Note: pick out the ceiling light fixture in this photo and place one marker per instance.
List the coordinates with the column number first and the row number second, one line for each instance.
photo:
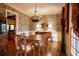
column 35, row 18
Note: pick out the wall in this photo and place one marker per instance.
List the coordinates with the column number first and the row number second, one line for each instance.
column 23, row 19
column 54, row 20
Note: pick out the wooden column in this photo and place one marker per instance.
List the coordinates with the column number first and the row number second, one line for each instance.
column 63, row 31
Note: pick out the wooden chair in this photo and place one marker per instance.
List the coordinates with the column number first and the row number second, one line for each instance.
column 45, row 37
column 43, row 44
column 18, row 42
column 23, row 47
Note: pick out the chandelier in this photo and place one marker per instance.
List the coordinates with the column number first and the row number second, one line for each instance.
column 35, row 18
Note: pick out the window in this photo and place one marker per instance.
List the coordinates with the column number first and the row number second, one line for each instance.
column 3, row 27
column 74, row 44
column 76, row 39
column 11, row 27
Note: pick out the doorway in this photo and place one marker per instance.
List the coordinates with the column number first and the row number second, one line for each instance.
column 11, row 18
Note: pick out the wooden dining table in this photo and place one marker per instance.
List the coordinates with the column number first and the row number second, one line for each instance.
column 32, row 40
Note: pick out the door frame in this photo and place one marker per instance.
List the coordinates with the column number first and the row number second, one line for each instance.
column 7, row 10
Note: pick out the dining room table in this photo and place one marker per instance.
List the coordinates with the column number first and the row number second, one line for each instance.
column 37, row 43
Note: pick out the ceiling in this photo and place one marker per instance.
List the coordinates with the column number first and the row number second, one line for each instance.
column 42, row 8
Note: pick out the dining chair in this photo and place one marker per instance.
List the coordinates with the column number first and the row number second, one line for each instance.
column 24, row 48
column 18, row 42
column 43, row 45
